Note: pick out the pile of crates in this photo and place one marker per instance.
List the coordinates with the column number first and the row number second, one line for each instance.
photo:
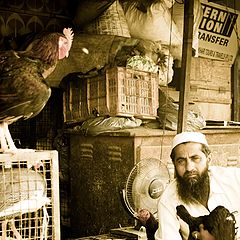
column 119, row 92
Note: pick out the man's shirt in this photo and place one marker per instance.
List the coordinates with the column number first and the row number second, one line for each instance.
column 224, row 191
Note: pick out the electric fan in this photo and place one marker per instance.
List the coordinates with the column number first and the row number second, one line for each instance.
column 145, row 184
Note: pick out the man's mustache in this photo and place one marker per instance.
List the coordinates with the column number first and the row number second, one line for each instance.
column 190, row 173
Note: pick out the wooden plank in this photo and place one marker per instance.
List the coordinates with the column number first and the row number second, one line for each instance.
column 212, row 95
column 186, row 66
column 26, row 155
column 215, row 111
column 210, row 73
column 236, row 89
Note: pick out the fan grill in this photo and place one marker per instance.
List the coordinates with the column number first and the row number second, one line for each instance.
column 145, row 184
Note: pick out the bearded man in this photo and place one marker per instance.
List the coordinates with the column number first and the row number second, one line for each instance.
column 197, row 186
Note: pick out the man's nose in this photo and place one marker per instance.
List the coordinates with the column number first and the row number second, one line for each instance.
column 189, row 164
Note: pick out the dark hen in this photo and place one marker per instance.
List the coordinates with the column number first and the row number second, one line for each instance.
column 220, row 222
column 23, row 90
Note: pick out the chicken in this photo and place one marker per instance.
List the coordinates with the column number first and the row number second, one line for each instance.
column 23, row 89
column 21, row 191
column 220, row 222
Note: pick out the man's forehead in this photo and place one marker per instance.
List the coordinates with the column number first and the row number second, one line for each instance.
column 188, row 147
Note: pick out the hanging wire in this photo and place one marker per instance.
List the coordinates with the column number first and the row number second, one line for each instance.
column 167, row 90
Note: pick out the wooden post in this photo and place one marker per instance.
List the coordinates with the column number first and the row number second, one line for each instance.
column 186, row 65
column 236, row 88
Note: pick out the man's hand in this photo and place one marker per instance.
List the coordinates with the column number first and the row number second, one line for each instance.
column 202, row 234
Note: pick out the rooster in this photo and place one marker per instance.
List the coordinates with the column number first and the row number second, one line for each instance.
column 23, row 89
column 220, row 222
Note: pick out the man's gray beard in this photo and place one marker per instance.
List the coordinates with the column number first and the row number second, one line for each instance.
column 192, row 190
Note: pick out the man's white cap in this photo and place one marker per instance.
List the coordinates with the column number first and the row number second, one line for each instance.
column 184, row 137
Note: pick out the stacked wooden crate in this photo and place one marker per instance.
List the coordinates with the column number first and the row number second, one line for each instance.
column 210, row 88
column 118, row 92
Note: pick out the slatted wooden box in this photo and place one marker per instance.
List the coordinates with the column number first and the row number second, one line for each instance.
column 16, row 179
column 119, row 92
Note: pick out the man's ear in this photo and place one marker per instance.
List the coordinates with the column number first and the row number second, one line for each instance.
column 209, row 158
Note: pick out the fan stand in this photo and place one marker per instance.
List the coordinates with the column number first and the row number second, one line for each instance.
column 129, row 232
column 132, row 232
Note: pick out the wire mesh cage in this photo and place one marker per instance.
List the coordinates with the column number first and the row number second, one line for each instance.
column 29, row 195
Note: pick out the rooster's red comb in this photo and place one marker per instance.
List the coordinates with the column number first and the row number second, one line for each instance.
column 68, row 32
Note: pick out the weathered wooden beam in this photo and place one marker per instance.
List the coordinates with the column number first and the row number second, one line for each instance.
column 186, row 65
column 236, row 89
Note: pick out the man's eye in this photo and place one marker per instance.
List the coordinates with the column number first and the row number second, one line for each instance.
column 180, row 161
column 196, row 158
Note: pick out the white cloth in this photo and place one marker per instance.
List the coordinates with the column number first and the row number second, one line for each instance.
column 224, row 190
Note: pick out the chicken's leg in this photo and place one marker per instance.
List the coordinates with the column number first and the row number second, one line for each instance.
column 6, row 140
column 8, row 146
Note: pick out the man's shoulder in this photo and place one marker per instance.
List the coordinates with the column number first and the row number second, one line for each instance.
column 225, row 173
column 223, row 170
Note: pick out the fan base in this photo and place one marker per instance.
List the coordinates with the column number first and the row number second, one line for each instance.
column 129, row 232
